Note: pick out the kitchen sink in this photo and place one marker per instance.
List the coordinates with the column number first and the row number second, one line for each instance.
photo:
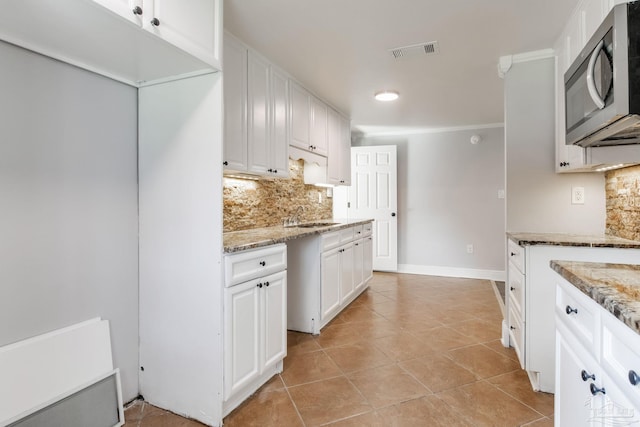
column 312, row 224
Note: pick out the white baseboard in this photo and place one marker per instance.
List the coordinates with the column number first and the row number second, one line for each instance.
column 469, row 273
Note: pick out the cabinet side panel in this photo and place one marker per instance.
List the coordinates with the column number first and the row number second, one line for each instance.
column 180, row 173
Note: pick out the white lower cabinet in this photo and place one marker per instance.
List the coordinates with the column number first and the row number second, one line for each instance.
column 330, row 284
column 255, row 331
column 595, row 357
column 326, row 273
column 531, row 320
column 347, row 287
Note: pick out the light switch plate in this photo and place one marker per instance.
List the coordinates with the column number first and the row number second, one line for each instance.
column 577, row 195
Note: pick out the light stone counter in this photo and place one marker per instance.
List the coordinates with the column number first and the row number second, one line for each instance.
column 616, row 287
column 566, row 239
column 236, row 241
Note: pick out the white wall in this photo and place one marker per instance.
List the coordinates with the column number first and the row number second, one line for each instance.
column 538, row 199
column 448, row 198
column 68, row 203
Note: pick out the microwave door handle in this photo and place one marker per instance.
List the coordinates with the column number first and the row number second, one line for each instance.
column 591, row 84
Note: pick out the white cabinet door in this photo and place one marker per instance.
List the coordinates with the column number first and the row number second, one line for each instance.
column 318, row 130
column 358, row 264
column 242, row 335
column 235, row 105
column 258, row 114
column 274, row 318
column 334, row 155
column 367, row 262
column 347, row 285
column 193, row 26
column 345, row 152
column 125, row 8
column 574, row 401
column 300, row 116
column 330, row 283
column 279, row 124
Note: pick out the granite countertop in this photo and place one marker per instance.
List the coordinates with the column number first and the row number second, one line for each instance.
column 566, row 239
column 616, row 287
column 236, row 241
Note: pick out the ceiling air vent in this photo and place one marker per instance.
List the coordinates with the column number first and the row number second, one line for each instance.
column 429, row 48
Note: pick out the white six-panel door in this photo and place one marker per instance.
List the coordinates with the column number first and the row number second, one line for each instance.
column 373, row 194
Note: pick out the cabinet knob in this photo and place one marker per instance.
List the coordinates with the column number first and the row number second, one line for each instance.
column 595, row 390
column 570, row 310
column 393, row 214
column 357, row 244
column 513, row 254
column 266, row 284
column 512, row 288
column 269, row 170
column 513, row 328
column 137, row 10
column 587, row 376
column 262, row 263
column 259, row 285
column 155, row 22
column 275, row 171
column 225, row 163
column 634, row 378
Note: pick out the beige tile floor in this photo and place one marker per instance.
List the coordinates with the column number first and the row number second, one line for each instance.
column 410, row 351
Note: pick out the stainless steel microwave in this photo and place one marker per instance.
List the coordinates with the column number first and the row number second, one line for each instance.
column 602, row 86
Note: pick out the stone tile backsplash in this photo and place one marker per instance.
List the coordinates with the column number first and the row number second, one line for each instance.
column 265, row 203
column 623, row 202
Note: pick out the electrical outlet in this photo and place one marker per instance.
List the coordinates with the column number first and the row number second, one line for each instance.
column 577, row 195
column 469, row 248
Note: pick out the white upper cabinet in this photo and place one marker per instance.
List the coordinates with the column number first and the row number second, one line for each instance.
column 339, row 155
column 98, row 35
column 256, row 113
column 128, row 9
column 318, row 135
column 581, row 26
column 279, row 123
column 192, row 26
column 300, row 116
column 235, row 105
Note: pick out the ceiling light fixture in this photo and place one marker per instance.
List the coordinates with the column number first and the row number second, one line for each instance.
column 387, row 95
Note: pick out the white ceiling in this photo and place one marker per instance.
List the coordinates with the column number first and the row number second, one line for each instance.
column 339, row 50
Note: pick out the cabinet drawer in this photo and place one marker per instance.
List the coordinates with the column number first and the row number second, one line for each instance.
column 579, row 314
column 330, row 241
column 621, row 356
column 517, row 334
column 249, row 265
column 516, row 255
column 346, row 235
column 357, row 232
column 516, row 290
column 367, row 229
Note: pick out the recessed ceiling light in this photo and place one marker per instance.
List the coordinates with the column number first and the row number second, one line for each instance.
column 387, row 95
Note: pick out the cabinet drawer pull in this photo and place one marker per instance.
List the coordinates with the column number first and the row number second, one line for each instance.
column 570, row 310
column 634, row 378
column 587, row 376
column 595, row 390
column 262, row 263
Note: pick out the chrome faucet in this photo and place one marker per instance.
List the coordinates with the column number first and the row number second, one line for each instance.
column 295, row 218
